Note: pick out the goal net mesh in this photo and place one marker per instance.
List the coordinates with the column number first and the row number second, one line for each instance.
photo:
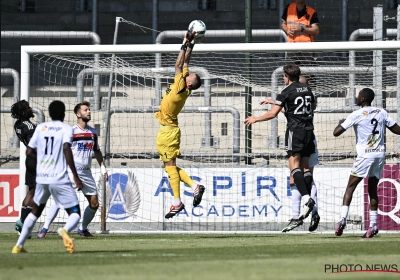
column 246, row 178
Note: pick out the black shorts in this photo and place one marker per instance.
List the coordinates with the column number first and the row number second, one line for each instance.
column 30, row 174
column 300, row 141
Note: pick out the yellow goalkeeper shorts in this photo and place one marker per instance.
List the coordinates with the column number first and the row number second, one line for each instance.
column 168, row 142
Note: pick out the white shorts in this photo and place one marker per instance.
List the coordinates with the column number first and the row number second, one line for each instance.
column 368, row 167
column 64, row 194
column 88, row 182
column 313, row 161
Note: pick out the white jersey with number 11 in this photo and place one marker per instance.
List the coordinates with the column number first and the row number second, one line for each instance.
column 48, row 140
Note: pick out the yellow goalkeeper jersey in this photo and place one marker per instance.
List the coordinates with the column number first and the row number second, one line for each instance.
column 173, row 100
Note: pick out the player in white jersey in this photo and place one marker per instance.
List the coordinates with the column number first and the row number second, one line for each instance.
column 369, row 125
column 51, row 146
column 84, row 145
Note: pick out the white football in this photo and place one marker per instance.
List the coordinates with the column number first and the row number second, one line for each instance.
column 199, row 27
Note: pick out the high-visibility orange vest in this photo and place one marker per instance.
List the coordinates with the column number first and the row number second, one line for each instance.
column 299, row 37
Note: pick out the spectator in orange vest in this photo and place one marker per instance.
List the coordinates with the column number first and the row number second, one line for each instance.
column 300, row 22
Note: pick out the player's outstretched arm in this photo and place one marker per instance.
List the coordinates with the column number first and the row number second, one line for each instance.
column 70, row 161
column 395, row 129
column 272, row 102
column 188, row 54
column 267, row 116
column 339, row 129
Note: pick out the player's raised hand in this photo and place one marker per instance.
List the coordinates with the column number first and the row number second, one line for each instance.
column 190, row 37
column 250, row 120
column 78, row 183
column 341, row 121
column 267, row 101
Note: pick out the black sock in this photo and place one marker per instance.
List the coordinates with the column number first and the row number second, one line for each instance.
column 308, row 178
column 299, row 181
column 25, row 210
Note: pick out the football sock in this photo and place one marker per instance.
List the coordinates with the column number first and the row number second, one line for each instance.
column 308, row 179
column 184, row 177
column 296, row 201
column 344, row 212
column 88, row 216
column 25, row 210
column 174, row 180
column 176, row 201
column 373, row 217
column 299, row 181
column 72, row 222
column 26, row 229
column 314, row 196
column 51, row 214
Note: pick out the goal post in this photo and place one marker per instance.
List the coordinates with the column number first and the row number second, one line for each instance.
column 239, row 197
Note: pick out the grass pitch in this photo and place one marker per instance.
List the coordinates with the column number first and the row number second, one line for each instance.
column 203, row 257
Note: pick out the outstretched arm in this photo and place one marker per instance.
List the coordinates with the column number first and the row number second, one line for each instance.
column 339, row 129
column 267, row 116
column 188, row 55
column 395, row 129
column 179, row 61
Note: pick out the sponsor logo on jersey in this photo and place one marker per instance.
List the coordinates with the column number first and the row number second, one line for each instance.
column 364, row 113
column 85, row 146
column 47, row 162
column 44, row 128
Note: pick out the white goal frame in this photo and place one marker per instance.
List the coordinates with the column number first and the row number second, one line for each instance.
column 26, row 51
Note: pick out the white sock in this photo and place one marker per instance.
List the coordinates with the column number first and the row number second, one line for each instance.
column 26, row 229
column 176, row 202
column 314, row 197
column 72, row 222
column 373, row 217
column 51, row 214
column 296, row 201
column 88, row 216
column 344, row 212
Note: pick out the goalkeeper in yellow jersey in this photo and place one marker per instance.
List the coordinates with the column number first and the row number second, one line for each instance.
column 169, row 136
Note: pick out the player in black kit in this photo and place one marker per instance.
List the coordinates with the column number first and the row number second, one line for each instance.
column 24, row 129
column 299, row 103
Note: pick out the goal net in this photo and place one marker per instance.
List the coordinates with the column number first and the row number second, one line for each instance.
column 245, row 173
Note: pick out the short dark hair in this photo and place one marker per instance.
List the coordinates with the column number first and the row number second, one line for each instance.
column 79, row 105
column 292, row 71
column 18, row 108
column 368, row 95
column 196, row 82
column 57, row 110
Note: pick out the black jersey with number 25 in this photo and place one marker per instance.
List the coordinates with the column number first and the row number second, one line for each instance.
column 297, row 98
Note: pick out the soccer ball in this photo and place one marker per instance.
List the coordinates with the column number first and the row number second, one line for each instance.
column 199, row 27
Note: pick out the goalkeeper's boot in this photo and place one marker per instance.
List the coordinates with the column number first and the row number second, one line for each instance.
column 68, row 243
column 341, row 226
column 198, row 194
column 18, row 250
column 42, row 233
column 314, row 222
column 307, row 208
column 294, row 223
column 175, row 210
column 371, row 232
column 84, row 233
